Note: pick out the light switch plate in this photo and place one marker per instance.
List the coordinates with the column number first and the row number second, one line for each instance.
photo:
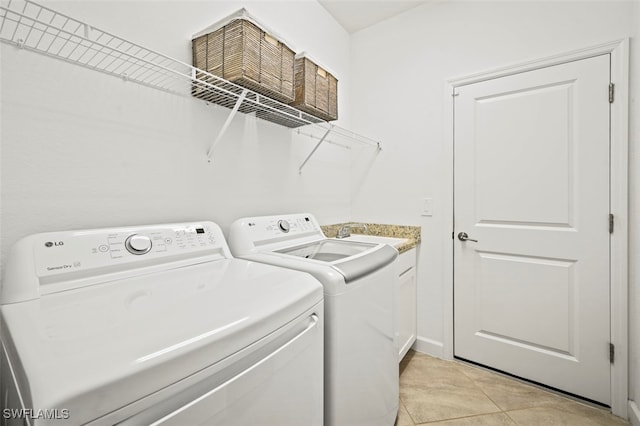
column 427, row 207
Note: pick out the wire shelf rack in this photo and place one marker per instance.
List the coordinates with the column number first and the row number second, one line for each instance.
column 31, row 26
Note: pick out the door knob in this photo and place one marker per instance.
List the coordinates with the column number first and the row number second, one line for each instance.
column 462, row 236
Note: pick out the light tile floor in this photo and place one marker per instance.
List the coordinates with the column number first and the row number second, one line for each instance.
column 452, row 393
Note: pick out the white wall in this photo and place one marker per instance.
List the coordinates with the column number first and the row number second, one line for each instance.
column 82, row 149
column 634, row 211
column 401, row 67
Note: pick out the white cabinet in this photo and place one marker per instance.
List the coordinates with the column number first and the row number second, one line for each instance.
column 406, row 302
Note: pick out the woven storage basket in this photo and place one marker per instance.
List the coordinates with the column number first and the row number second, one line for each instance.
column 245, row 54
column 316, row 89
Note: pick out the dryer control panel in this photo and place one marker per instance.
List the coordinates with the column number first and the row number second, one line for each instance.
column 61, row 260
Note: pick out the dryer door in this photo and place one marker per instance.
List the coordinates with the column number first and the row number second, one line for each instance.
column 285, row 370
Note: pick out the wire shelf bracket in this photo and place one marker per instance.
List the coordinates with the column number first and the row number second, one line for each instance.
column 30, row 26
column 313, row 151
column 226, row 124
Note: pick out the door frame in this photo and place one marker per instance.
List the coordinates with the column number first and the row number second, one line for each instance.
column 618, row 186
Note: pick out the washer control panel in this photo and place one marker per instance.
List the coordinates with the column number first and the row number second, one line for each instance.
column 268, row 227
column 253, row 233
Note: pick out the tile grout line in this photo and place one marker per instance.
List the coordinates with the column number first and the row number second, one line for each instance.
column 463, row 417
column 563, row 403
column 479, row 387
column 475, row 385
column 531, row 407
column 406, row 411
column 562, row 398
column 400, row 397
column 506, row 413
column 503, row 411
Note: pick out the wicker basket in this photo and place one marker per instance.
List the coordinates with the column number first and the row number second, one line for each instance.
column 245, row 54
column 316, row 89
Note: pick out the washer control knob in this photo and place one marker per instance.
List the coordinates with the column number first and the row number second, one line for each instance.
column 283, row 225
column 138, row 244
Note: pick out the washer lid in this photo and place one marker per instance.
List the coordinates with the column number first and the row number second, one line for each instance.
column 95, row 349
column 327, row 250
column 352, row 259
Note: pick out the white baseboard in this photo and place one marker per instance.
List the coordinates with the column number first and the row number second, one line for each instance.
column 634, row 413
column 429, row 347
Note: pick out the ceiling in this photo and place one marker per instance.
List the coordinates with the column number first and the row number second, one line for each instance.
column 355, row 15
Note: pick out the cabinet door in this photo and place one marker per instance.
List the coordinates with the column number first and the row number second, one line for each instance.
column 407, row 326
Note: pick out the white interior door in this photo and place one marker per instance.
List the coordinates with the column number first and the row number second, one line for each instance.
column 531, row 296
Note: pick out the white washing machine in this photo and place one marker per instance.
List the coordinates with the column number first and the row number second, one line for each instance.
column 156, row 325
column 361, row 355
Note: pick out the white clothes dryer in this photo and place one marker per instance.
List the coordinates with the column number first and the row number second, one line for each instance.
column 361, row 355
column 156, row 325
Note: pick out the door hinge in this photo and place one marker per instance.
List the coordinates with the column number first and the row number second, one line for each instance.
column 612, row 88
column 612, row 352
column 611, row 223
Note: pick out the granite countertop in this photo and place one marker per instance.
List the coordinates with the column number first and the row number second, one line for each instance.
column 411, row 233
